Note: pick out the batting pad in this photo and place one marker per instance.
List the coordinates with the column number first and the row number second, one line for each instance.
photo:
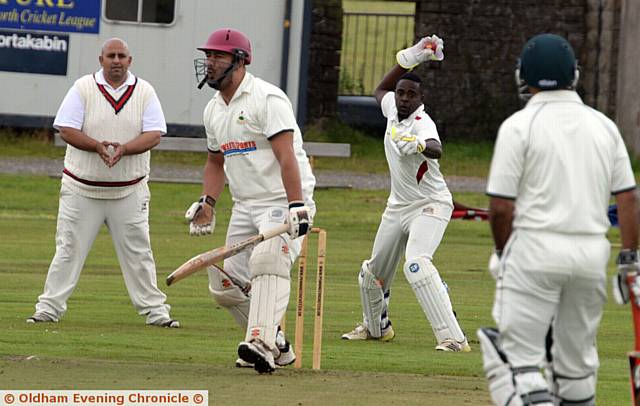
column 509, row 385
column 433, row 298
column 269, row 299
column 497, row 369
column 271, row 257
column 576, row 391
column 229, row 296
column 372, row 299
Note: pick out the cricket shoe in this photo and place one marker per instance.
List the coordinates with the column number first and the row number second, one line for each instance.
column 257, row 354
column 240, row 363
column 362, row 333
column 452, row 345
column 40, row 317
column 168, row 323
column 287, row 356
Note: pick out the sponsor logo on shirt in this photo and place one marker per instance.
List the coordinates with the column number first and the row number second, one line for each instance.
column 238, row 147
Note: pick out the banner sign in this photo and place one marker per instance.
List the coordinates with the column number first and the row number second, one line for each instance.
column 51, row 15
column 33, row 52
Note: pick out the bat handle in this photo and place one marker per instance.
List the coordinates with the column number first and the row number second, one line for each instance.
column 272, row 232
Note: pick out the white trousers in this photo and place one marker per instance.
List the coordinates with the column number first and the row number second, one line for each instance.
column 413, row 231
column 246, row 221
column 79, row 221
column 552, row 279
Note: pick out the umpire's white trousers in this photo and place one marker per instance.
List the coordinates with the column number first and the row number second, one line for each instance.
column 552, row 279
column 79, row 221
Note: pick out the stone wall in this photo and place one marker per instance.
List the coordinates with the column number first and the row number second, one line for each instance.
column 324, row 59
column 628, row 78
column 472, row 91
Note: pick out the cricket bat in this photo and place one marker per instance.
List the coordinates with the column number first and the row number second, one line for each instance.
column 218, row 254
column 460, row 211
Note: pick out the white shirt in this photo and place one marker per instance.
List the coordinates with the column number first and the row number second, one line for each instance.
column 241, row 131
column 561, row 161
column 413, row 177
column 71, row 111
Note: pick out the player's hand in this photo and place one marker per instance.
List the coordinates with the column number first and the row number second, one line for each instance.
column 104, row 150
column 494, row 264
column 626, row 281
column 408, row 144
column 300, row 219
column 428, row 48
column 116, row 152
column 201, row 216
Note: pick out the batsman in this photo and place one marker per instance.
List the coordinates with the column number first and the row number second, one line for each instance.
column 252, row 139
column 556, row 164
column 418, row 209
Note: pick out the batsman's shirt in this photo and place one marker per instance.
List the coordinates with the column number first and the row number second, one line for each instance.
column 560, row 160
column 241, row 131
column 413, row 177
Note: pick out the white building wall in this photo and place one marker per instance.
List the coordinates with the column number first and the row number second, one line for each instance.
column 164, row 56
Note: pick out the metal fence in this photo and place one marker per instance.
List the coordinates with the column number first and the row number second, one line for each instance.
column 369, row 45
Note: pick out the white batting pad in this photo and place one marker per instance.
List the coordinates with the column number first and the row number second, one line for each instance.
column 497, row 369
column 229, row 296
column 572, row 390
column 269, row 299
column 508, row 385
column 433, row 298
column 372, row 299
column 271, row 257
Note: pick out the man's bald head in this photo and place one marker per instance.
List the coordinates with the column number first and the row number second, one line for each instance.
column 115, row 60
column 115, row 42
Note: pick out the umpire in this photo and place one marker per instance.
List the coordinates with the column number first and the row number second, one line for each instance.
column 556, row 164
column 110, row 120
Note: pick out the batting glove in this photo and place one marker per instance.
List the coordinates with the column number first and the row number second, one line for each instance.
column 300, row 219
column 428, row 48
column 494, row 263
column 625, row 282
column 202, row 216
column 407, row 144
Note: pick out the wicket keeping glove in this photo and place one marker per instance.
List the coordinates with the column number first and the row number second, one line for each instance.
column 428, row 48
column 408, row 144
column 300, row 219
column 202, row 216
column 626, row 281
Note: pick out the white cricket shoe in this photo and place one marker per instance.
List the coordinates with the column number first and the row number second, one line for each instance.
column 40, row 317
column 362, row 333
column 256, row 353
column 169, row 323
column 240, row 363
column 452, row 345
column 287, row 356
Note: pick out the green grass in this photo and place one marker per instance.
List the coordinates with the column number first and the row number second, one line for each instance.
column 102, row 344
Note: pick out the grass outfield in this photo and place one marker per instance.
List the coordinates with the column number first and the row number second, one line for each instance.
column 102, row 344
